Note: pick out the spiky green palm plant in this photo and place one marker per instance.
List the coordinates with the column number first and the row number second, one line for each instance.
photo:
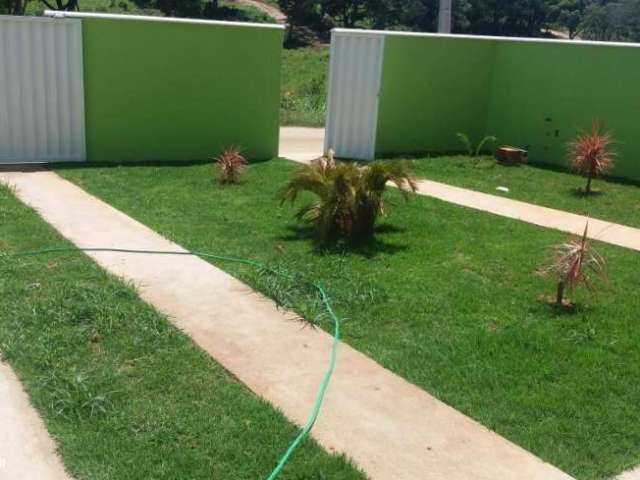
column 349, row 196
column 471, row 151
column 574, row 264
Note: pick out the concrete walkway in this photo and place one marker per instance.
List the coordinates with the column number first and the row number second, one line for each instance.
column 301, row 144
column 630, row 475
column 608, row 232
column 392, row 429
column 305, row 144
column 26, row 450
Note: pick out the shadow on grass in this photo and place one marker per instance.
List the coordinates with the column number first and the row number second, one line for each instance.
column 368, row 248
column 567, row 309
column 146, row 163
column 581, row 193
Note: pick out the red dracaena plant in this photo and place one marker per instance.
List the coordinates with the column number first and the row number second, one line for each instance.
column 590, row 153
column 575, row 263
column 231, row 164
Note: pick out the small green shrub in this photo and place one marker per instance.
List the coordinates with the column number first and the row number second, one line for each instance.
column 468, row 145
column 349, row 196
column 304, row 86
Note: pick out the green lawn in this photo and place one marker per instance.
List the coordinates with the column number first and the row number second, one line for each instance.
column 448, row 298
column 126, row 395
column 614, row 201
column 304, row 85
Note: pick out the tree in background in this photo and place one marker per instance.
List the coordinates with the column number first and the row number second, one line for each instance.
column 69, row 5
column 612, row 20
column 597, row 22
column 628, row 16
column 305, row 21
column 525, row 18
column 175, row 8
column 298, row 12
column 567, row 14
column 351, row 13
column 13, row 7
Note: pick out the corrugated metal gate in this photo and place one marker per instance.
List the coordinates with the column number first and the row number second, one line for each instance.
column 41, row 90
column 354, row 86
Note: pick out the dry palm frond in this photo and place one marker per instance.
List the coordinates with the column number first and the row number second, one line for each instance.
column 231, row 164
column 576, row 263
column 590, row 153
column 349, row 196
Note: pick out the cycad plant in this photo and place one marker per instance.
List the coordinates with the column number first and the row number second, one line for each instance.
column 349, row 196
column 590, row 153
column 575, row 263
column 231, row 164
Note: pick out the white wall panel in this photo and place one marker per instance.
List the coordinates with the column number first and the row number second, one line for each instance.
column 41, row 90
column 354, row 86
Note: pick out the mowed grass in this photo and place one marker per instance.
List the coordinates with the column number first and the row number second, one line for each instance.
column 304, row 86
column 124, row 393
column 613, row 201
column 448, row 298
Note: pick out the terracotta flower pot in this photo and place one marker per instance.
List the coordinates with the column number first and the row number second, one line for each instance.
column 508, row 155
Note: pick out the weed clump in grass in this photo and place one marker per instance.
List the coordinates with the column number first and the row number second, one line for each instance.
column 231, row 164
column 574, row 263
column 350, row 196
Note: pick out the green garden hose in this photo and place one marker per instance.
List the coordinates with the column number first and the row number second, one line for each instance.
column 313, row 416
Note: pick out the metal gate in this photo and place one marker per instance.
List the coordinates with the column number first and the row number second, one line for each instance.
column 41, row 90
column 354, row 86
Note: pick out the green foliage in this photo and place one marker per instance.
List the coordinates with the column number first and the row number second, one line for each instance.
column 175, row 8
column 597, row 19
column 567, row 14
column 211, row 9
column 68, row 5
column 468, row 145
column 561, row 189
column 311, row 20
column 113, row 378
column 304, row 86
column 13, row 7
column 524, row 18
column 349, row 196
column 445, row 297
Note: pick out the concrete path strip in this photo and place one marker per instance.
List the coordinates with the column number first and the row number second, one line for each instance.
column 392, row 429
column 26, row 450
column 608, row 232
column 305, row 144
column 301, row 144
column 630, row 475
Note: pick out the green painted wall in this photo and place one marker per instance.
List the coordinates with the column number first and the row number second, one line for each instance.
column 543, row 94
column 535, row 95
column 432, row 88
column 158, row 91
